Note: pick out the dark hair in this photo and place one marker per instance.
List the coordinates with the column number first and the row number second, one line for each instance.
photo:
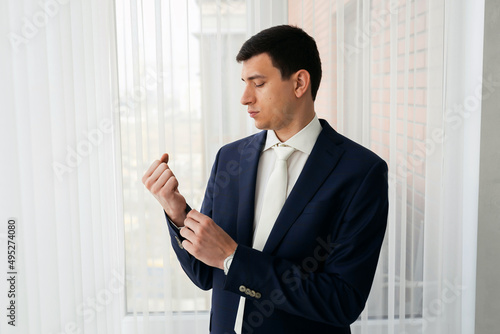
column 290, row 48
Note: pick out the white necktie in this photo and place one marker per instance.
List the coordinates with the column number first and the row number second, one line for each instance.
column 273, row 200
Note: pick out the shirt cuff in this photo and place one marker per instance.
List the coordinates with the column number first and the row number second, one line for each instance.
column 188, row 208
column 228, row 261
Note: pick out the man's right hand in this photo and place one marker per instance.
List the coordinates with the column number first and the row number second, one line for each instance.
column 162, row 183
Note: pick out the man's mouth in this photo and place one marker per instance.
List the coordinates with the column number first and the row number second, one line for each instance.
column 252, row 113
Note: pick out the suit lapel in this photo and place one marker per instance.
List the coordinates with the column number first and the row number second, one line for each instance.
column 321, row 162
column 249, row 162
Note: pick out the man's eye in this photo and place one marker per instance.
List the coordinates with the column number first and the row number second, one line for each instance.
column 259, row 85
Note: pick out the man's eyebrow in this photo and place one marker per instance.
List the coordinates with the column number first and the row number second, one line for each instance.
column 253, row 77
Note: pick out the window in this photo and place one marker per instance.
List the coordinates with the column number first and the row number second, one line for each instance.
column 179, row 93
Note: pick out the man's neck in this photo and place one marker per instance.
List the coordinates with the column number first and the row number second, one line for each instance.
column 294, row 128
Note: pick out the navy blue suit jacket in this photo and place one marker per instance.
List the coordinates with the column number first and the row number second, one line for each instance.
column 316, row 269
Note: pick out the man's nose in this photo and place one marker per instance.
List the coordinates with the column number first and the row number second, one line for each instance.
column 247, row 97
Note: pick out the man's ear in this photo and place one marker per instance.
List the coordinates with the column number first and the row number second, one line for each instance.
column 302, row 83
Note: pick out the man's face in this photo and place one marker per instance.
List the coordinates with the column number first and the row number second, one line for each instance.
column 269, row 98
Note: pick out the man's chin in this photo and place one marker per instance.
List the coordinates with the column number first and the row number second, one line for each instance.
column 261, row 126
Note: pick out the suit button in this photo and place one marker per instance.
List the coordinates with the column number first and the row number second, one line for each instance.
column 242, row 288
column 247, row 291
column 179, row 242
column 258, row 295
column 252, row 293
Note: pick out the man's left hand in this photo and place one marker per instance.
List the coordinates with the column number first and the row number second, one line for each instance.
column 205, row 240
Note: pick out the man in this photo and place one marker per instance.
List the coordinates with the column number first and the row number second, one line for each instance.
column 289, row 242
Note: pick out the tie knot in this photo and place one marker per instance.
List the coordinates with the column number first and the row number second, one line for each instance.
column 283, row 152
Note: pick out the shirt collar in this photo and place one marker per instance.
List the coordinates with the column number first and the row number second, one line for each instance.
column 303, row 140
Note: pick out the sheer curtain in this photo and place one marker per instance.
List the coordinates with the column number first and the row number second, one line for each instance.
column 58, row 171
column 403, row 77
column 93, row 91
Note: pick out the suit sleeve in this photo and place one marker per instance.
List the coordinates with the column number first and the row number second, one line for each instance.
column 337, row 292
column 199, row 273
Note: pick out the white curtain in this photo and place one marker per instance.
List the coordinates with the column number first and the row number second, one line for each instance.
column 58, row 78
column 403, row 77
column 93, row 91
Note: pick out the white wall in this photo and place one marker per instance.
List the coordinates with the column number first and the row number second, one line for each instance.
column 488, row 252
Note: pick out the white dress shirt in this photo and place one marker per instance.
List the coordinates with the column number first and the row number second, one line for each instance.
column 303, row 142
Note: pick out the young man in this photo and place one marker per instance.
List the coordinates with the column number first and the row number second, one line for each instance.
column 293, row 219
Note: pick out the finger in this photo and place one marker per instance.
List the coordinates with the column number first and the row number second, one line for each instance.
column 151, row 180
column 162, row 180
column 195, row 215
column 188, row 246
column 192, row 224
column 150, row 170
column 187, row 233
column 154, row 166
column 156, row 174
column 171, row 185
column 164, row 158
